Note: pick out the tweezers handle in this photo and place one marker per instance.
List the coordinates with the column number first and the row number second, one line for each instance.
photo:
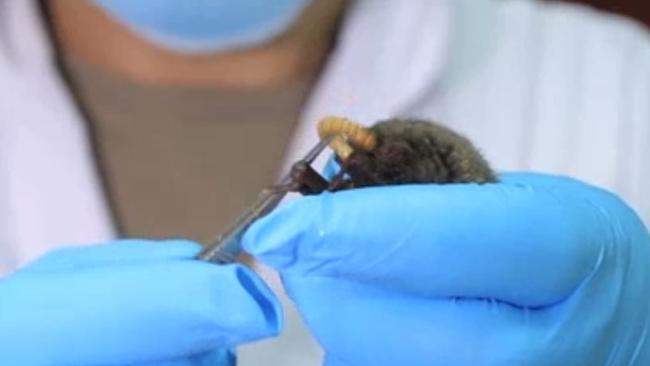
column 225, row 248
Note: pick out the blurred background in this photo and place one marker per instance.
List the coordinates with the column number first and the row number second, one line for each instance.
column 637, row 9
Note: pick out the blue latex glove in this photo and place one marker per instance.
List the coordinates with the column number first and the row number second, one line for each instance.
column 535, row 270
column 131, row 303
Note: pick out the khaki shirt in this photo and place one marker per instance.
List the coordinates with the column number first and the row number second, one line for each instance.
column 183, row 162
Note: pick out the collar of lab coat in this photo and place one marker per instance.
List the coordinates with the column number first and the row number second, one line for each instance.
column 387, row 54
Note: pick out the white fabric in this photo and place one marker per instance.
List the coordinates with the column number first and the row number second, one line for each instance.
column 49, row 193
column 553, row 88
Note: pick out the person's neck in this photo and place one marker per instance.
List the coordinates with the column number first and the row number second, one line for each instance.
column 86, row 33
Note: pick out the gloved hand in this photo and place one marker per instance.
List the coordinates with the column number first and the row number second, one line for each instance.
column 131, row 303
column 535, row 270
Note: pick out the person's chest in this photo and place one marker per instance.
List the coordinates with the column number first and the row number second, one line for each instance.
column 183, row 162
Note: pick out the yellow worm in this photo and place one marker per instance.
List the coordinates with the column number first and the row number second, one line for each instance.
column 348, row 135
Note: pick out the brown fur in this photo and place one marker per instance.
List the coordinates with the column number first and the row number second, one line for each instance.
column 417, row 151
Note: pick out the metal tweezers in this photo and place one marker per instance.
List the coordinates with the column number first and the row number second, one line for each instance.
column 302, row 178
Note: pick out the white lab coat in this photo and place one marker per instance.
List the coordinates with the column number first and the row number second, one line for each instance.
column 552, row 88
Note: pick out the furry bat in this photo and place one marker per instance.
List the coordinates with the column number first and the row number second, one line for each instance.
column 413, row 151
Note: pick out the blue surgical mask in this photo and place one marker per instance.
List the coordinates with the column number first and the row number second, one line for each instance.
column 203, row 26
